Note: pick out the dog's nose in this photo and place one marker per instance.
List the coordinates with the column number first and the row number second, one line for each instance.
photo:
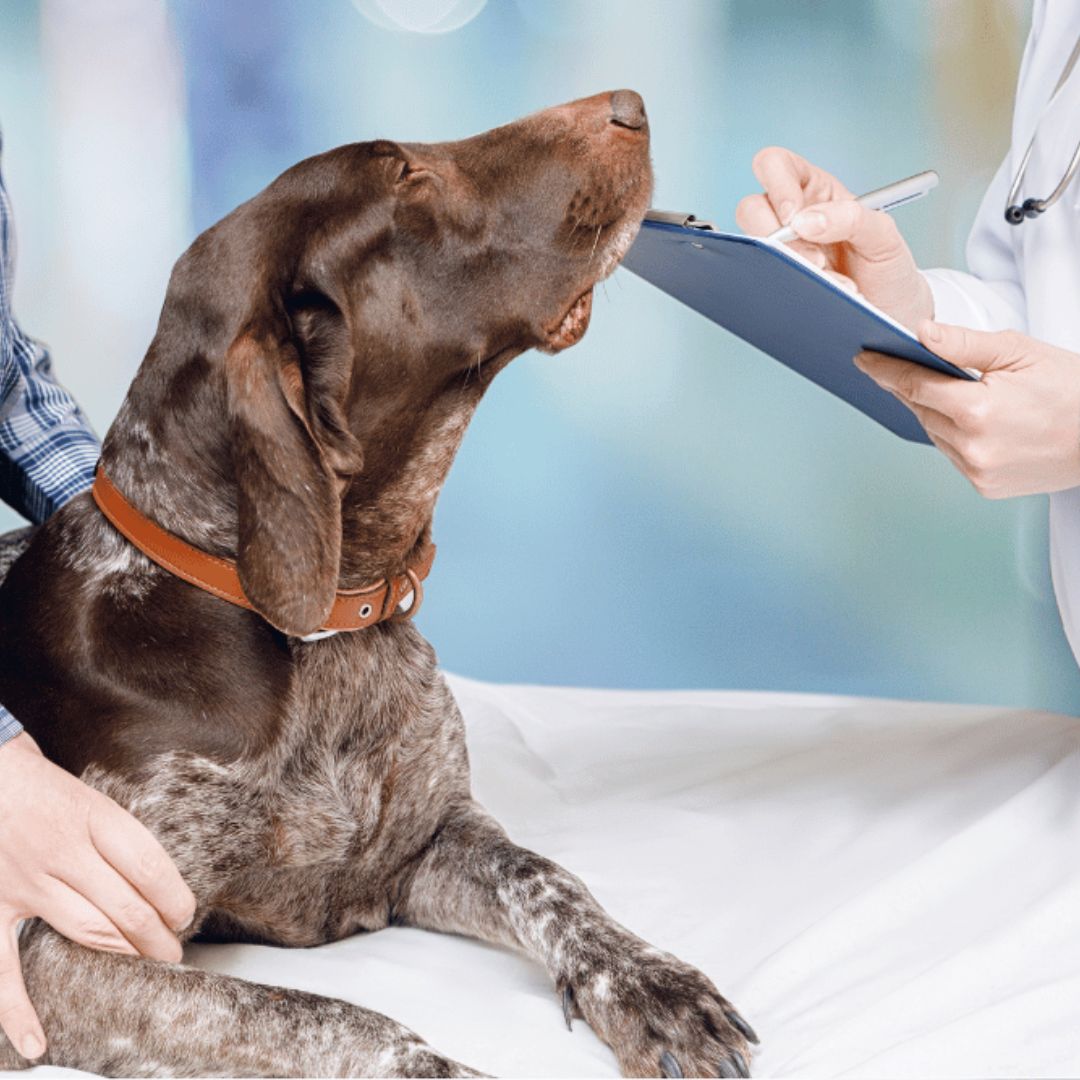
column 627, row 109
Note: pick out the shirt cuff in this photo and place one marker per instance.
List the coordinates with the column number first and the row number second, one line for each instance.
column 965, row 300
column 9, row 726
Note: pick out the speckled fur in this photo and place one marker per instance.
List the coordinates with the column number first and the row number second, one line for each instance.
column 309, row 791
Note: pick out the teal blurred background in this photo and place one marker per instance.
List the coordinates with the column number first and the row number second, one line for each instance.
column 660, row 506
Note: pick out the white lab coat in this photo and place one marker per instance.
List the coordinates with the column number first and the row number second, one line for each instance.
column 1027, row 277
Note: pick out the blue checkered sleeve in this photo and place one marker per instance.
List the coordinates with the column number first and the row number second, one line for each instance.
column 48, row 450
column 9, row 726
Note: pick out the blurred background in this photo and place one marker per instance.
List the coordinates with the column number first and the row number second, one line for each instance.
column 660, row 506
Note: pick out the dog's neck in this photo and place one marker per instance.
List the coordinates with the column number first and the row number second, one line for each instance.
column 387, row 508
column 173, row 474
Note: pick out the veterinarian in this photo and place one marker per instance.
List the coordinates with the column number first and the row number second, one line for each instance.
column 1015, row 316
column 68, row 854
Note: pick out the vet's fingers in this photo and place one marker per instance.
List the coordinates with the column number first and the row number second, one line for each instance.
column 784, row 175
column 756, row 216
column 979, row 349
column 120, row 904
column 872, row 233
column 956, row 398
column 18, row 1020
column 134, row 852
column 942, row 429
column 69, row 913
column 842, row 281
column 968, row 453
column 953, row 455
column 942, row 432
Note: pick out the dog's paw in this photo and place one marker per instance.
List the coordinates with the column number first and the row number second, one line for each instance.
column 660, row 1016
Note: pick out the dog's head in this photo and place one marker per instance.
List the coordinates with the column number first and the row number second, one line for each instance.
column 347, row 319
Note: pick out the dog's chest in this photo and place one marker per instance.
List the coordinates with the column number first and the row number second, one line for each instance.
column 335, row 830
column 328, row 805
column 321, row 820
column 375, row 750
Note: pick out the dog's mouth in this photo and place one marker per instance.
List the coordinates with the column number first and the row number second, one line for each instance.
column 572, row 326
column 570, row 329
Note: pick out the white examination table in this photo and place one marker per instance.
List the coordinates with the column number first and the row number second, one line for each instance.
column 884, row 889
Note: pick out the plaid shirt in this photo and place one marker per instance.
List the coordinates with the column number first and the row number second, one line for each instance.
column 47, row 448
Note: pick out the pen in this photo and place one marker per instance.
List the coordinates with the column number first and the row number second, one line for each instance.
column 885, row 198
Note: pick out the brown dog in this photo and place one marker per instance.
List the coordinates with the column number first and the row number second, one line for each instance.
column 319, row 355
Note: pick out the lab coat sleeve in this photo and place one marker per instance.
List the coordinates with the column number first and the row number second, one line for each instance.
column 991, row 295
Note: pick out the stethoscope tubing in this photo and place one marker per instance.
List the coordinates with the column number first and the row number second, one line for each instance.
column 1017, row 213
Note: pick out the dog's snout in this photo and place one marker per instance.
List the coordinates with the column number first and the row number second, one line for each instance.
column 627, row 109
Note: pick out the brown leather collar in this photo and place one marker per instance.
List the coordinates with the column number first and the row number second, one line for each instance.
column 353, row 609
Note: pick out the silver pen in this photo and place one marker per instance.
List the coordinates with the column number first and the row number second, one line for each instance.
column 886, row 198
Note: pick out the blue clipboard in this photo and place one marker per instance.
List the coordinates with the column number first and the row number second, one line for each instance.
column 771, row 299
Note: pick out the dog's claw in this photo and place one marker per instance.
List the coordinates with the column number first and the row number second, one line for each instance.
column 669, row 1066
column 741, row 1026
column 740, row 1063
column 728, row 1069
column 568, row 1006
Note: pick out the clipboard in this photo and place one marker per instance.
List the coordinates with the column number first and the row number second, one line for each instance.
column 777, row 301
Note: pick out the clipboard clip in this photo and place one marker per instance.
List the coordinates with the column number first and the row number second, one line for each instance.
column 678, row 217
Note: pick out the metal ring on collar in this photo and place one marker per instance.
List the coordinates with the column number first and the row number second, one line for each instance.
column 417, row 598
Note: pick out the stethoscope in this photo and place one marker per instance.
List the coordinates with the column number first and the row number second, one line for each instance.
column 1017, row 213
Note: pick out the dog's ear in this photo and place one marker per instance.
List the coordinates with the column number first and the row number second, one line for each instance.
column 292, row 453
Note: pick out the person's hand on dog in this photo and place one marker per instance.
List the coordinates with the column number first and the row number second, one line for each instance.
column 78, row 860
column 837, row 234
column 1017, row 430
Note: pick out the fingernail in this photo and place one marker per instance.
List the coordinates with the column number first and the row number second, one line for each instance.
column 787, row 208
column 31, row 1046
column 931, row 331
column 191, row 919
column 808, row 222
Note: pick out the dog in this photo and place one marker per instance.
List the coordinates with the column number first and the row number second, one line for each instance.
column 318, row 357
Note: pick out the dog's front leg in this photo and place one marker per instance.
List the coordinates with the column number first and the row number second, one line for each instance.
column 125, row 1016
column 656, row 1013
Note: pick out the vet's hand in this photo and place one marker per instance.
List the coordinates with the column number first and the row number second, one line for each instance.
column 1017, row 431
column 73, row 857
column 838, row 234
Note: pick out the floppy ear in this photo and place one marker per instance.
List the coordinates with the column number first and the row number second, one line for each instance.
column 290, row 456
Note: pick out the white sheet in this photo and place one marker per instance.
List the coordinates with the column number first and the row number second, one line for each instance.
column 885, row 889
